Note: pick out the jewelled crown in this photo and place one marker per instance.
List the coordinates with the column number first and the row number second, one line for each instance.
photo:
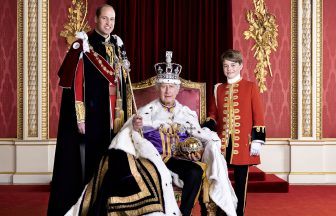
column 168, row 72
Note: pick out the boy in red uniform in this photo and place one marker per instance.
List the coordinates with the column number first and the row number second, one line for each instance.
column 236, row 112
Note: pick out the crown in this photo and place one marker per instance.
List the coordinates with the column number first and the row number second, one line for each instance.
column 168, row 72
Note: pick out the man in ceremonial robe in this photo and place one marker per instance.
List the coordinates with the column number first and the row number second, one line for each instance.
column 93, row 76
column 236, row 111
column 159, row 134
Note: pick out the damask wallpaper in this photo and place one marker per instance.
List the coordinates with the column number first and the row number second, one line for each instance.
column 278, row 96
column 8, row 55
column 329, row 69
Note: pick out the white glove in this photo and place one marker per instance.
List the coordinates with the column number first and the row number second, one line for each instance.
column 255, row 148
column 126, row 64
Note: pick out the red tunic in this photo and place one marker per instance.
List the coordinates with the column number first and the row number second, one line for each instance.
column 237, row 109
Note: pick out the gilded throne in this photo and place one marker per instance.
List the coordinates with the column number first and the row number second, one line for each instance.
column 191, row 94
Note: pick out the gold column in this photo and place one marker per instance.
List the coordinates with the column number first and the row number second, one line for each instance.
column 306, row 69
column 20, row 69
column 33, row 70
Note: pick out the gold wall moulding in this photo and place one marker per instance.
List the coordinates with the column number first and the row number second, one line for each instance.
column 264, row 31
column 76, row 21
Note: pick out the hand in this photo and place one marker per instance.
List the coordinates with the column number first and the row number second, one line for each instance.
column 81, row 127
column 195, row 156
column 126, row 65
column 255, row 148
column 137, row 122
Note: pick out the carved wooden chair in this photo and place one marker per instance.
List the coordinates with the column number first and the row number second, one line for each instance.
column 191, row 94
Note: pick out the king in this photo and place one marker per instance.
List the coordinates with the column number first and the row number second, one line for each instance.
column 152, row 138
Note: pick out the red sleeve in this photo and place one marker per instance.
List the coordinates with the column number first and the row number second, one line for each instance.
column 212, row 112
column 78, row 85
column 79, row 92
column 257, row 108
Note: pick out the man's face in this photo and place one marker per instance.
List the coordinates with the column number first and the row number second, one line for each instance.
column 168, row 93
column 105, row 22
column 231, row 69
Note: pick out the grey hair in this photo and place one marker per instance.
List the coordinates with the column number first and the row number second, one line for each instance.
column 157, row 85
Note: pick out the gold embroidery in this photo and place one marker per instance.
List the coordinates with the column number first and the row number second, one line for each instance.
column 209, row 118
column 103, row 166
column 96, row 55
column 138, row 178
column 168, row 143
column 140, row 208
column 259, row 128
column 110, row 52
column 154, row 175
column 163, row 143
column 101, row 173
column 80, row 111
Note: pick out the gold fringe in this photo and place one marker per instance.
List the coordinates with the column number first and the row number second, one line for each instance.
column 80, row 111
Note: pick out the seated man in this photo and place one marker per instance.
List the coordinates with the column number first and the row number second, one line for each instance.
column 150, row 142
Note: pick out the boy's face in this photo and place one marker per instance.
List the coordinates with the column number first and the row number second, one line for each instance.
column 231, row 69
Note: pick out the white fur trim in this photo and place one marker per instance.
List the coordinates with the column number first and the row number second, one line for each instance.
column 83, row 36
column 215, row 92
column 119, row 41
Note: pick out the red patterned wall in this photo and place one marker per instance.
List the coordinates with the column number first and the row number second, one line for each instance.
column 277, row 97
column 329, row 69
column 58, row 11
column 8, row 72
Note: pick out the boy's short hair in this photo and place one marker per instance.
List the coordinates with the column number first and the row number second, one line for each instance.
column 232, row 55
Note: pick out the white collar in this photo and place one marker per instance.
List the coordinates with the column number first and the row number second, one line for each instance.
column 107, row 39
column 235, row 79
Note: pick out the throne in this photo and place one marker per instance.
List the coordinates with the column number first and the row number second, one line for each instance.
column 191, row 94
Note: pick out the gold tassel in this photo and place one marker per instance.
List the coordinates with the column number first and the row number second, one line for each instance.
column 119, row 116
column 206, row 197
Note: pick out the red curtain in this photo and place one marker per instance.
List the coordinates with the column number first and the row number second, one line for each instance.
column 197, row 31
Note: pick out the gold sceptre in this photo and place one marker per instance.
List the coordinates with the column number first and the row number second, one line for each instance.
column 131, row 89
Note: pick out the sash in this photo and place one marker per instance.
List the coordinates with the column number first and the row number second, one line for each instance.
column 102, row 66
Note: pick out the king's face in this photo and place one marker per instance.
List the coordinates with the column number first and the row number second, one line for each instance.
column 105, row 22
column 168, row 93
